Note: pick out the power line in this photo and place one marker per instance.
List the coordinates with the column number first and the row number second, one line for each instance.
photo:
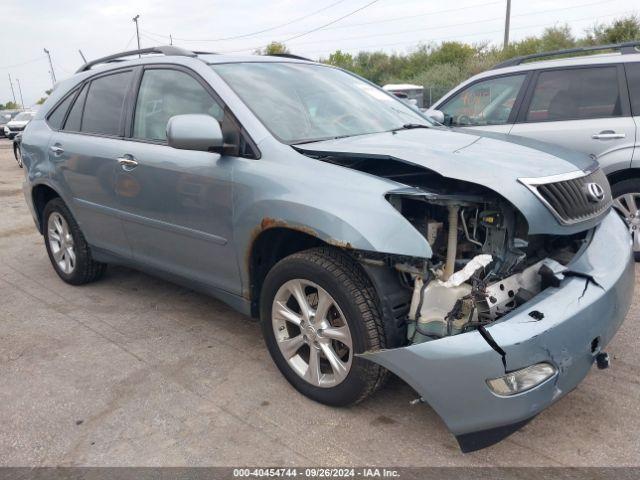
column 41, row 57
column 438, row 27
column 331, row 23
column 313, row 30
column 258, row 32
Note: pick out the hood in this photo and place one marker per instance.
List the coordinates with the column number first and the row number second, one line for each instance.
column 17, row 123
column 495, row 161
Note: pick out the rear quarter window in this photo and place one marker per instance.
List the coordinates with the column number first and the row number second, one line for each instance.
column 56, row 117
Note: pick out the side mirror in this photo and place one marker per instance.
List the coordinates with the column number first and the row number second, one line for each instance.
column 195, row 132
column 436, row 115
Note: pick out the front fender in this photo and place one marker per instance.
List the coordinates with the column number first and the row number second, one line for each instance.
column 341, row 207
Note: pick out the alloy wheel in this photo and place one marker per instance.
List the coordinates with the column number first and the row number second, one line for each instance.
column 61, row 243
column 628, row 205
column 312, row 333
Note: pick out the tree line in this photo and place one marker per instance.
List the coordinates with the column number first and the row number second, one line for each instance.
column 442, row 66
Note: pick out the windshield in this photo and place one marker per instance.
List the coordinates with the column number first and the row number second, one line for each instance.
column 24, row 116
column 304, row 103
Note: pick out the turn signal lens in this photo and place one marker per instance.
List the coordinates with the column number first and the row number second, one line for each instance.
column 521, row 380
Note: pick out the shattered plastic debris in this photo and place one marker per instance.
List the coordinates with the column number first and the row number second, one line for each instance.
column 461, row 276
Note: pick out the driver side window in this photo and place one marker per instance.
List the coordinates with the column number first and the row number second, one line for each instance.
column 484, row 103
column 165, row 93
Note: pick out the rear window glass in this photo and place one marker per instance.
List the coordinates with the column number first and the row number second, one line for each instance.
column 633, row 79
column 104, row 105
column 75, row 115
column 57, row 116
column 575, row 94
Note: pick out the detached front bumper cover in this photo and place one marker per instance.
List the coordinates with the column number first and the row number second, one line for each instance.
column 565, row 326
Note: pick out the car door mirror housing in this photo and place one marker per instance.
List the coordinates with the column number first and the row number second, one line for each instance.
column 436, row 115
column 195, row 132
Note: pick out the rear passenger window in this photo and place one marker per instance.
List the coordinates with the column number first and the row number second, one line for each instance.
column 75, row 115
column 633, row 80
column 104, row 105
column 575, row 94
column 57, row 116
column 166, row 93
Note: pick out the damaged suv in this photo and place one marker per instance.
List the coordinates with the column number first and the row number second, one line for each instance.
column 488, row 274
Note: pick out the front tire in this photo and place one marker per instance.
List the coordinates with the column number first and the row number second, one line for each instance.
column 67, row 248
column 318, row 309
column 626, row 196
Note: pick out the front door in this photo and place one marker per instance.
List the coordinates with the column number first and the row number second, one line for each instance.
column 176, row 204
column 486, row 105
column 583, row 109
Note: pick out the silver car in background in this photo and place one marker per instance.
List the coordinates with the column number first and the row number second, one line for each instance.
column 590, row 104
column 488, row 274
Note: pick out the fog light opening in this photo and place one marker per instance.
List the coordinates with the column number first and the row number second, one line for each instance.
column 521, row 380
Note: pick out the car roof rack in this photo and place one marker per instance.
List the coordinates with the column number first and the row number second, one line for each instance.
column 288, row 55
column 625, row 48
column 118, row 57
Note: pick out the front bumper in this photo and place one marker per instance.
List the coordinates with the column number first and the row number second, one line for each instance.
column 580, row 318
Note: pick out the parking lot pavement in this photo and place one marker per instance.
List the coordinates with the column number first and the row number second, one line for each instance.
column 133, row 370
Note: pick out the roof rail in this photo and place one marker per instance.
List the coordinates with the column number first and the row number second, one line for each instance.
column 164, row 50
column 288, row 55
column 625, row 48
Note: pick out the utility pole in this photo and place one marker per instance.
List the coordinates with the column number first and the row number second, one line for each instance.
column 135, row 19
column 20, row 90
column 170, row 40
column 507, row 20
column 12, row 90
column 53, row 75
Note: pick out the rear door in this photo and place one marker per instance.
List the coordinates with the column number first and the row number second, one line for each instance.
column 486, row 105
column 633, row 81
column 85, row 151
column 585, row 109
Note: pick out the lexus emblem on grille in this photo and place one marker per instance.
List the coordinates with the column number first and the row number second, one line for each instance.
column 595, row 193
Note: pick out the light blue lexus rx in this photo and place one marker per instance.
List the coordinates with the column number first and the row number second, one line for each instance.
column 487, row 272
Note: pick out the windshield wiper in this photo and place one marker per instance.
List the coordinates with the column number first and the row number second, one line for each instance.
column 316, row 140
column 411, row 126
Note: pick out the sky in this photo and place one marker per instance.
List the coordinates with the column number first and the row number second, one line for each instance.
column 311, row 28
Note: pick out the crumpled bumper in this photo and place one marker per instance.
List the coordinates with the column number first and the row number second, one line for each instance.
column 450, row 374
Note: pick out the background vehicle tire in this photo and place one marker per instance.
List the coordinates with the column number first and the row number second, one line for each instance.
column 332, row 283
column 626, row 196
column 17, row 152
column 67, row 248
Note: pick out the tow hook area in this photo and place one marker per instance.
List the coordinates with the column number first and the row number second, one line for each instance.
column 602, row 360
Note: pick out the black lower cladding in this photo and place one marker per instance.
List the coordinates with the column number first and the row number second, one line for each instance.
column 470, row 442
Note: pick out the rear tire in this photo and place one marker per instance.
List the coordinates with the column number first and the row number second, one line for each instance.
column 334, row 277
column 17, row 152
column 68, row 250
column 626, row 196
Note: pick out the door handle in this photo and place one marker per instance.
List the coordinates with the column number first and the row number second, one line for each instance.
column 127, row 162
column 608, row 135
column 56, row 149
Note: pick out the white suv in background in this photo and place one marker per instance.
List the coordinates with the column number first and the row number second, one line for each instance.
column 585, row 103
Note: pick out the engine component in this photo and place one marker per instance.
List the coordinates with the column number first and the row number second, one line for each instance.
column 452, row 242
column 438, row 308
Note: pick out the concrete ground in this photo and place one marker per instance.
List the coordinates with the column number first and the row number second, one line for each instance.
column 133, row 370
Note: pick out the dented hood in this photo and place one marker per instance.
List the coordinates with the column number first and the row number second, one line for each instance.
column 495, row 161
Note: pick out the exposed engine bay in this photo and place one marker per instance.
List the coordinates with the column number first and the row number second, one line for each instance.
column 483, row 265
column 484, row 262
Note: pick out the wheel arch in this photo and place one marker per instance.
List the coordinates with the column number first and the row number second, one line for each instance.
column 268, row 248
column 624, row 174
column 41, row 194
